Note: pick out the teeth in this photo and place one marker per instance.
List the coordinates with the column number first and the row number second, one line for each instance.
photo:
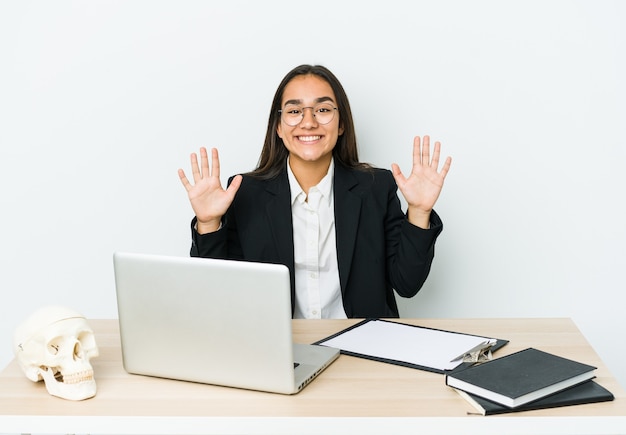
column 75, row 378
column 309, row 138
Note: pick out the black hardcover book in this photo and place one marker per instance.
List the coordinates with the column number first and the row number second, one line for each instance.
column 522, row 377
column 587, row 392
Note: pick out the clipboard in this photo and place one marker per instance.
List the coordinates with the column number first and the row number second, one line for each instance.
column 430, row 349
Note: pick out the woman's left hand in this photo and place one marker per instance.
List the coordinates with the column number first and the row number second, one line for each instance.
column 422, row 187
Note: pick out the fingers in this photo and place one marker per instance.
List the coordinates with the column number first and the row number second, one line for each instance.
column 417, row 151
column 446, row 167
column 435, row 161
column 234, row 186
column 202, row 170
column 184, row 180
column 215, row 163
column 397, row 174
column 421, row 152
column 421, row 155
column 436, row 152
column 195, row 169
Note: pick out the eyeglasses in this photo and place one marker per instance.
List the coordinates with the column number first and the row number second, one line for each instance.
column 293, row 115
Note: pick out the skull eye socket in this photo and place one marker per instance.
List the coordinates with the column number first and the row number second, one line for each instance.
column 54, row 345
column 87, row 340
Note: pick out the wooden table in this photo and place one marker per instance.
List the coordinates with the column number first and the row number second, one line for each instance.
column 353, row 395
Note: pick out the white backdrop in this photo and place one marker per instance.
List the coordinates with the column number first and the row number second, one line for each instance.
column 101, row 102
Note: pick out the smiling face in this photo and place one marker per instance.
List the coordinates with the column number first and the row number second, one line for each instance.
column 310, row 144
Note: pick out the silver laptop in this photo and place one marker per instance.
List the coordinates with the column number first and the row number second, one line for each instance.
column 212, row 321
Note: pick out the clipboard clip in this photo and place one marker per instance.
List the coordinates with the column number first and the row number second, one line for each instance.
column 479, row 353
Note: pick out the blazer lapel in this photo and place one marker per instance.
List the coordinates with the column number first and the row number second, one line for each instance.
column 278, row 211
column 347, row 213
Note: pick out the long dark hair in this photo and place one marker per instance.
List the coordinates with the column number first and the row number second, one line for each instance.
column 274, row 154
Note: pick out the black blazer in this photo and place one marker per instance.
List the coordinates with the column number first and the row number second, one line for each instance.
column 378, row 250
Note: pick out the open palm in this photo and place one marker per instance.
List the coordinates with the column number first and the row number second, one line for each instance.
column 208, row 198
column 422, row 187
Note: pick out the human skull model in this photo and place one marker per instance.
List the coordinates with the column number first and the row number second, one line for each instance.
column 55, row 344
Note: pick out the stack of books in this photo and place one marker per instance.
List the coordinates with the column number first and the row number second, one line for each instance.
column 526, row 380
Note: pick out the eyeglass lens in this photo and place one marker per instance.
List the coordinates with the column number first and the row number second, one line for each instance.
column 292, row 115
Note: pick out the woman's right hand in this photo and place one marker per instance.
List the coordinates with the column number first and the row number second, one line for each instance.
column 208, row 199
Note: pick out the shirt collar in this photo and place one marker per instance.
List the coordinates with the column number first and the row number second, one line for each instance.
column 325, row 186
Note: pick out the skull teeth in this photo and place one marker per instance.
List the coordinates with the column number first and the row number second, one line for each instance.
column 78, row 377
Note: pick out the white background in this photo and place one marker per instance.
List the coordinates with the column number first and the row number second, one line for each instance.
column 101, row 102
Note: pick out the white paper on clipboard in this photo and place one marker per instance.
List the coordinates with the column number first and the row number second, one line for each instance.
column 388, row 340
